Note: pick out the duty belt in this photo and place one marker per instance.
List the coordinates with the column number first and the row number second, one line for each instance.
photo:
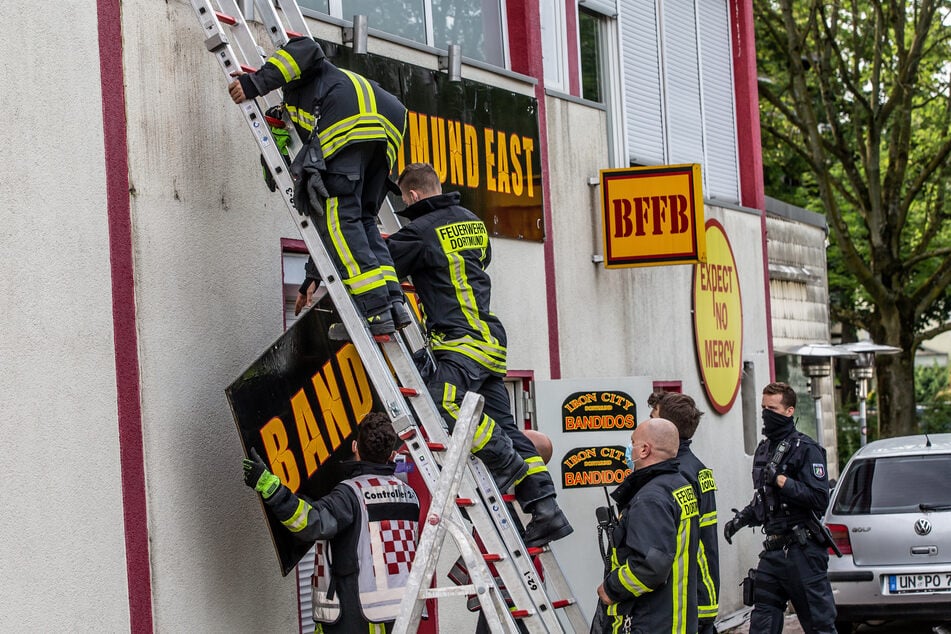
column 784, row 540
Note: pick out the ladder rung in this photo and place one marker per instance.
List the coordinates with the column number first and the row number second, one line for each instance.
column 436, row 446
column 492, row 557
column 562, row 603
column 534, row 550
column 408, row 434
column 224, row 17
column 383, row 338
column 292, row 33
column 521, row 614
column 508, row 497
column 465, row 502
column 248, row 69
column 408, row 391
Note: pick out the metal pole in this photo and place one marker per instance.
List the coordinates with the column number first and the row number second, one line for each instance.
column 862, row 387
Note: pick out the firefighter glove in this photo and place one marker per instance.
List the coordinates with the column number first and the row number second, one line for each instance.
column 310, row 193
column 257, row 476
column 732, row 527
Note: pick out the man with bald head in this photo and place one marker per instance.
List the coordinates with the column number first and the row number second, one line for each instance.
column 652, row 586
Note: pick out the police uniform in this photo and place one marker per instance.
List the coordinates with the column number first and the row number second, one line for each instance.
column 653, row 573
column 445, row 248
column 367, row 528
column 793, row 565
column 357, row 128
column 708, row 553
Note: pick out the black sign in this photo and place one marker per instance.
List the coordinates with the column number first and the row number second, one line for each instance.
column 599, row 411
column 593, row 467
column 299, row 405
column 483, row 141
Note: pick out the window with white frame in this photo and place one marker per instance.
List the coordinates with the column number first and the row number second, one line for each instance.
column 476, row 25
column 678, row 77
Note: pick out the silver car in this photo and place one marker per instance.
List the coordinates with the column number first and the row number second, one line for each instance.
column 890, row 515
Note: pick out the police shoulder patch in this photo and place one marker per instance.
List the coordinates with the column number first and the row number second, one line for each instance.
column 819, row 470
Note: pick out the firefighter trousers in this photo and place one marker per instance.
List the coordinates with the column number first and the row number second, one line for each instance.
column 498, row 440
column 356, row 181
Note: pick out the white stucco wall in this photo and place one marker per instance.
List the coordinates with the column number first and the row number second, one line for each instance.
column 61, row 534
column 638, row 322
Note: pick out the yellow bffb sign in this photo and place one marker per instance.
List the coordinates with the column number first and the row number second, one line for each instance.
column 652, row 216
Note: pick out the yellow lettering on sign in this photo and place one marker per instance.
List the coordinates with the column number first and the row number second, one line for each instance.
column 279, row 457
column 456, row 175
column 515, row 151
column 472, row 156
column 439, row 147
column 504, row 182
column 490, row 183
column 418, row 137
column 356, row 382
column 312, row 443
column 331, row 406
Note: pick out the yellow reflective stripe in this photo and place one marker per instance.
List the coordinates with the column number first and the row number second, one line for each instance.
column 301, row 117
column 707, row 611
column 489, row 363
column 360, row 128
column 366, row 98
column 630, row 581
column 535, row 465
column 465, row 295
column 483, row 433
column 389, row 273
column 285, row 63
column 704, row 577
column 377, row 628
column 679, row 574
column 339, row 240
column 491, row 347
column 708, row 518
column 366, row 281
column 298, row 521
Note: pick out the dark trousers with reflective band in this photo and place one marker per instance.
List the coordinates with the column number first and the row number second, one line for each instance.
column 457, row 374
column 797, row 574
column 356, row 181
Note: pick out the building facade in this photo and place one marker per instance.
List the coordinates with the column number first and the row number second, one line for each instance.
column 145, row 270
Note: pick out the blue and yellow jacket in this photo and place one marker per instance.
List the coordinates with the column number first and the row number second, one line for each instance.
column 446, row 250
column 654, row 570
column 342, row 106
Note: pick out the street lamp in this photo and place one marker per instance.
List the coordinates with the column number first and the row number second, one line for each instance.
column 816, row 364
column 862, row 372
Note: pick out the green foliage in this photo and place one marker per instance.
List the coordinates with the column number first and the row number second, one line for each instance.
column 933, row 395
column 856, row 118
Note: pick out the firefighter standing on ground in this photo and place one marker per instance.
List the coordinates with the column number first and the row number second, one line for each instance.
column 681, row 410
column 352, row 130
column 792, row 491
column 371, row 522
column 445, row 248
column 652, row 586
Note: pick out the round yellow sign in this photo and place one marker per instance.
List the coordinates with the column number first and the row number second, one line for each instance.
column 718, row 320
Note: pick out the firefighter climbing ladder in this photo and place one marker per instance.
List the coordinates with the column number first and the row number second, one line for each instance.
column 230, row 39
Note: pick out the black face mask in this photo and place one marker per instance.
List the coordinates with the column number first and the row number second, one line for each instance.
column 775, row 425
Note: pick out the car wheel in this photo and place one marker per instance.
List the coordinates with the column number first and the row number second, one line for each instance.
column 844, row 627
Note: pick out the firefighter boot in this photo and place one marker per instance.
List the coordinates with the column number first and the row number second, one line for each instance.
column 379, row 324
column 548, row 523
column 400, row 314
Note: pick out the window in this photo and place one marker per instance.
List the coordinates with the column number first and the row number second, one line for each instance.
column 476, row 25
column 552, row 16
column 678, row 76
column 590, row 41
column 894, row 485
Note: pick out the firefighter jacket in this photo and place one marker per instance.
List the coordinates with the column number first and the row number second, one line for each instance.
column 370, row 522
column 445, row 248
column 654, row 572
column 805, row 494
column 708, row 553
column 340, row 106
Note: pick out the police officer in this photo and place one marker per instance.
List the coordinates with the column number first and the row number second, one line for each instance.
column 371, row 523
column 352, row 130
column 792, row 491
column 681, row 410
column 652, row 585
column 445, row 248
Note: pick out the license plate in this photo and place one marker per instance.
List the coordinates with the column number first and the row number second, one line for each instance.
column 922, row 582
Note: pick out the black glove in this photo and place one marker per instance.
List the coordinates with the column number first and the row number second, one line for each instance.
column 310, row 193
column 769, row 474
column 257, row 476
column 733, row 526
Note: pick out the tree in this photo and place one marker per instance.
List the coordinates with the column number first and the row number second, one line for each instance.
column 855, row 109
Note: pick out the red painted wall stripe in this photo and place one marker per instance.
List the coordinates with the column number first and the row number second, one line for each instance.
column 573, row 45
column 118, row 209
column 525, row 50
column 750, row 148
